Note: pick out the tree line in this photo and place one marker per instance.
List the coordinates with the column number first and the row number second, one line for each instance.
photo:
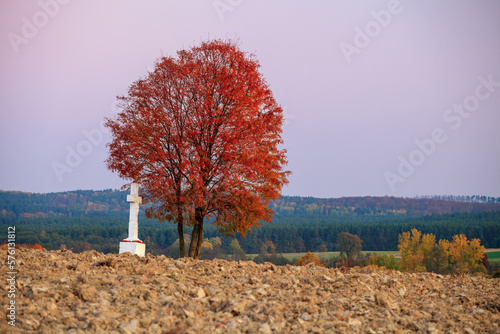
column 288, row 234
column 15, row 204
column 471, row 199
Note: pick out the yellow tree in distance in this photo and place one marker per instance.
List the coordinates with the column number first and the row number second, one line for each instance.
column 412, row 256
column 466, row 254
column 420, row 252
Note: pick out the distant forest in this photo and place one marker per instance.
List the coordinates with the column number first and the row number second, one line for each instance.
column 85, row 219
column 473, row 199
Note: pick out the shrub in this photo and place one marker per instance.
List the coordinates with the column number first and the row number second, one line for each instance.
column 330, row 262
column 309, row 258
column 23, row 246
column 384, row 261
column 276, row 259
column 258, row 259
column 374, row 267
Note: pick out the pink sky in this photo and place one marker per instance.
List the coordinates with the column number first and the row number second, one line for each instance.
column 381, row 97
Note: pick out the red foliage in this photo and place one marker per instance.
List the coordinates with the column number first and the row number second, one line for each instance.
column 23, row 246
column 309, row 258
column 201, row 134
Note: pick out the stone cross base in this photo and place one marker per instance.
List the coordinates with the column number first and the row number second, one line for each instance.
column 134, row 247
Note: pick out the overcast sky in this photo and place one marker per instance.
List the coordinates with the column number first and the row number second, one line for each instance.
column 397, row 98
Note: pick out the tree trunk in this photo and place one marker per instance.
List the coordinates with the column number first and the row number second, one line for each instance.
column 180, row 219
column 180, row 230
column 197, row 235
column 196, row 241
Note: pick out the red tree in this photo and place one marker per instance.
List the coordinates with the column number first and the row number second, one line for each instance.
column 201, row 134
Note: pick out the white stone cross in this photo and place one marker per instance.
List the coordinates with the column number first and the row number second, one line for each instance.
column 133, row 222
column 132, row 244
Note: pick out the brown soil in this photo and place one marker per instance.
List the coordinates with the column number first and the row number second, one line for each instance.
column 63, row 292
